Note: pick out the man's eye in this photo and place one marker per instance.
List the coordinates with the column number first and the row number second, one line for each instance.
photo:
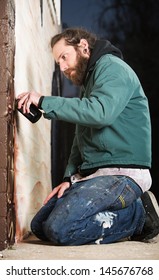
column 64, row 57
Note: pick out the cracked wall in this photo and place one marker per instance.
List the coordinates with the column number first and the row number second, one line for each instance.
column 7, row 217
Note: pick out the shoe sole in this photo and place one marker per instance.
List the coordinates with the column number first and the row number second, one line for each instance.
column 155, row 235
column 154, row 202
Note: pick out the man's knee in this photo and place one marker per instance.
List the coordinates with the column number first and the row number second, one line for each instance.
column 34, row 225
column 56, row 232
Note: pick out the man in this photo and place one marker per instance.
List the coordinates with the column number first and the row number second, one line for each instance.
column 104, row 195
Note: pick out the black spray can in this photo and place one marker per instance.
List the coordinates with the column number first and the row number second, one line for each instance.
column 34, row 115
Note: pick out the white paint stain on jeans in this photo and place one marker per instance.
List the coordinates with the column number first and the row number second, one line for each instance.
column 105, row 220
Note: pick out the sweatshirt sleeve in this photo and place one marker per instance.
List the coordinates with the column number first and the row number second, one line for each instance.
column 109, row 93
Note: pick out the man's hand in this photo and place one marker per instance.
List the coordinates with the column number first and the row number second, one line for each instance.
column 25, row 99
column 59, row 190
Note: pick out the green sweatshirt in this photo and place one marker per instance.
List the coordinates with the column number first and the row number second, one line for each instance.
column 112, row 118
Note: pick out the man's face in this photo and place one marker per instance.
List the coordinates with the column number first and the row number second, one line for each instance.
column 71, row 61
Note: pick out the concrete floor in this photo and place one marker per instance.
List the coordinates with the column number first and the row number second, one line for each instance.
column 34, row 249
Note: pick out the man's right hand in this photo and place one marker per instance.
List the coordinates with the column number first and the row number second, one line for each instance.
column 59, row 190
column 25, row 99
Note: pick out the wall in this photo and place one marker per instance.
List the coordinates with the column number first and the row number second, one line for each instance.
column 34, row 65
column 7, row 217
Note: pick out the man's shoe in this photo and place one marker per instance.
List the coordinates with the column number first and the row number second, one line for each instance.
column 151, row 226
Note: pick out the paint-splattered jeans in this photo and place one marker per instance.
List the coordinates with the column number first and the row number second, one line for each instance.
column 101, row 210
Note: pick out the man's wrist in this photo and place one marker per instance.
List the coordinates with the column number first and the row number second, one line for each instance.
column 67, row 179
column 40, row 102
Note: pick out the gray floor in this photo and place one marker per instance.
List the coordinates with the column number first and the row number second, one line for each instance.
column 33, row 249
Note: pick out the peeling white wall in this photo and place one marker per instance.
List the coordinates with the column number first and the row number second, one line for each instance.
column 34, row 66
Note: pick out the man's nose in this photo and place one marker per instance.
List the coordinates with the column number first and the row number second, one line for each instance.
column 63, row 67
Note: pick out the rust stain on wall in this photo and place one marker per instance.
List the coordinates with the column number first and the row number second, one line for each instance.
column 7, row 216
column 33, row 202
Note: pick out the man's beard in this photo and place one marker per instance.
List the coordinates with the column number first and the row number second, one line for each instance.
column 78, row 77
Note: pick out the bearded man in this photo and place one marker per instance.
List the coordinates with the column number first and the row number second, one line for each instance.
column 104, row 196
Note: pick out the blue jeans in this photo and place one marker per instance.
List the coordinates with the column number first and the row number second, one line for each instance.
column 101, row 210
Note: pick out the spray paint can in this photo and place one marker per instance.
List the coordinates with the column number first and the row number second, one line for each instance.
column 33, row 116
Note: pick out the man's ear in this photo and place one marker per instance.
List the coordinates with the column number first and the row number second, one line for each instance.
column 83, row 43
column 84, row 47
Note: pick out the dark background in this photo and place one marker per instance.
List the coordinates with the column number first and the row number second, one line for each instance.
column 133, row 26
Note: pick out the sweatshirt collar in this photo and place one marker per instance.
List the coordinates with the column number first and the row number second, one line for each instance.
column 102, row 47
